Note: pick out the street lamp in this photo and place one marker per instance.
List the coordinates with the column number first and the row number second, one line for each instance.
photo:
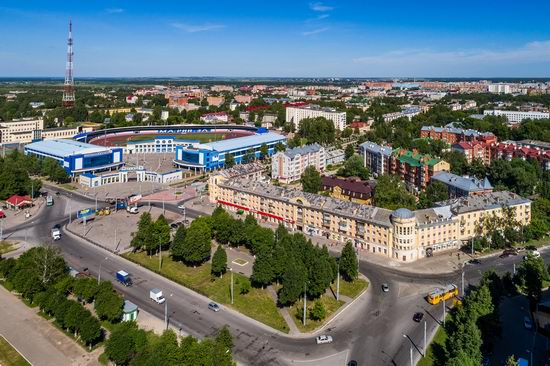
column 99, row 273
column 166, row 311
column 410, row 348
column 338, row 281
column 231, row 270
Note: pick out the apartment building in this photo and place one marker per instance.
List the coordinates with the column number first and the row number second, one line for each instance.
column 416, row 169
column 289, row 165
column 294, row 114
column 463, row 186
column 22, row 131
column 453, row 135
column 515, row 117
column 474, row 150
column 350, row 189
column 376, row 158
column 402, row 234
column 215, row 101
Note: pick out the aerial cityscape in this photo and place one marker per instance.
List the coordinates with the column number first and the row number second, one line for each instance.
column 289, row 183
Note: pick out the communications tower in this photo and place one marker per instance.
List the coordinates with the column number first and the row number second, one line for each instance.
column 68, row 89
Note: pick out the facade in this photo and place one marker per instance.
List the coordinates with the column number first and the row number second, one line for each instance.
column 215, row 101
column 402, row 234
column 463, row 186
column 21, row 131
column 163, row 178
column 335, row 157
column 92, row 180
column 354, row 190
column 289, row 165
column 514, row 117
column 60, row 133
column 77, row 157
column 525, row 150
column 294, row 114
column 160, row 144
column 377, row 158
column 212, row 155
column 453, row 135
column 218, row 117
column 416, row 169
column 243, row 99
column 474, row 150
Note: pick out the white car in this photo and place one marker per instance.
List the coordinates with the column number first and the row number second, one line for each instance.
column 181, row 206
column 323, row 339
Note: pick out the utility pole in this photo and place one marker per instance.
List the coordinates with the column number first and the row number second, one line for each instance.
column 166, row 313
column 160, row 256
column 1, row 229
column 163, row 205
column 425, row 350
column 411, row 354
column 305, row 301
column 472, row 241
column 443, row 312
column 462, row 285
column 231, row 270
column 115, row 239
column 338, row 284
column 514, row 268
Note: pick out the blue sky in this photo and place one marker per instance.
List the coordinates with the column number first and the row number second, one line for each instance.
column 278, row 38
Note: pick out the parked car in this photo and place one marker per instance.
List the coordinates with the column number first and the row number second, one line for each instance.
column 323, row 339
column 530, row 247
column 527, row 323
column 508, row 252
column 174, row 225
column 352, row 363
column 57, row 193
column 213, row 306
column 417, row 317
column 385, row 287
column 474, row 261
column 181, row 206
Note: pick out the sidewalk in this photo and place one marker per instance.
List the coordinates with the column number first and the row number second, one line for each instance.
column 17, row 217
column 38, row 340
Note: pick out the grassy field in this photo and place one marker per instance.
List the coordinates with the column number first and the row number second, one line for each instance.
column 9, row 356
column 435, row 350
column 6, row 246
column 257, row 304
column 296, row 312
column 351, row 289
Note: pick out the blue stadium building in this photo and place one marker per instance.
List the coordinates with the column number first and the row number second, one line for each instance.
column 77, row 157
column 212, row 155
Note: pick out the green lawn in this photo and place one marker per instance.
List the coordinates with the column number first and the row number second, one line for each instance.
column 6, row 246
column 9, row 356
column 201, row 137
column 436, row 349
column 296, row 312
column 257, row 304
column 351, row 289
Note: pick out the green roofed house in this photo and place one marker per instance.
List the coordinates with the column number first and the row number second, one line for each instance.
column 416, row 169
column 129, row 312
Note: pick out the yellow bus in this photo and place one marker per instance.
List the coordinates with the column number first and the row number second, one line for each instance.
column 442, row 294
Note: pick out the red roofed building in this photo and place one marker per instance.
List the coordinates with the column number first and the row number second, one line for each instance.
column 361, row 126
column 17, row 201
column 474, row 150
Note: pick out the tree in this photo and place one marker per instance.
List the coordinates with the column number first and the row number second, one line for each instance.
column 318, row 312
column 197, row 243
column 121, row 345
column 90, row 330
column 350, row 151
column 161, row 233
column 311, row 180
column 249, row 156
column 244, row 285
column 435, row 192
column 320, row 276
column 390, row 193
column 511, row 361
column 294, row 279
column 280, row 147
column 353, row 167
column 348, row 262
column 262, row 270
column 48, row 263
column 260, row 239
column 224, row 338
column 219, row 261
column 264, row 151
column 317, row 130
column 143, row 236
column 530, row 276
column 108, row 304
column 85, row 288
column 75, row 313
column 177, row 247
column 229, row 160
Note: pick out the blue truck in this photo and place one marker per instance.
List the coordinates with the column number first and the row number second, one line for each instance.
column 124, row 278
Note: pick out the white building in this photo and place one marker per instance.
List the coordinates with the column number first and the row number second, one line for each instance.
column 515, row 116
column 288, row 166
column 159, row 144
column 22, row 131
column 295, row 114
column 217, row 117
column 499, row 88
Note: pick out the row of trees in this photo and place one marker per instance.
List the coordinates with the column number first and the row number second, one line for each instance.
column 129, row 345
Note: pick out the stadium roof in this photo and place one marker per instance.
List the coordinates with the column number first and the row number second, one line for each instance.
column 243, row 142
column 64, row 147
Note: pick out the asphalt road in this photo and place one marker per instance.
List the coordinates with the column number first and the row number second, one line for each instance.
column 370, row 331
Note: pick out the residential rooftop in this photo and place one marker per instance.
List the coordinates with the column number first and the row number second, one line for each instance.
column 484, row 202
column 302, row 150
column 468, row 184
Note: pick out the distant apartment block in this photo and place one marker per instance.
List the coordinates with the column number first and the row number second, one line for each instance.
column 215, row 101
column 288, row 166
column 499, row 88
column 463, row 186
column 294, row 114
column 376, row 158
column 22, row 131
column 514, row 117
column 454, row 135
column 245, row 99
column 217, row 117
column 474, row 150
column 416, row 169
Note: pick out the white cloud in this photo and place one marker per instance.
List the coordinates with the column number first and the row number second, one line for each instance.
column 537, row 51
column 320, row 7
column 194, row 28
column 315, row 31
column 114, row 10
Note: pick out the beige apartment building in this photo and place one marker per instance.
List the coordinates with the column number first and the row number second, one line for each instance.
column 402, row 234
column 23, row 130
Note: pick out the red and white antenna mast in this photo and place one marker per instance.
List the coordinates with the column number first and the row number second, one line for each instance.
column 68, row 89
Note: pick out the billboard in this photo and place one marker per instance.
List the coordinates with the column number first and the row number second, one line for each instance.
column 85, row 213
column 134, row 199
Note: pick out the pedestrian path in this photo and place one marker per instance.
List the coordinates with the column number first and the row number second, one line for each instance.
column 293, row 329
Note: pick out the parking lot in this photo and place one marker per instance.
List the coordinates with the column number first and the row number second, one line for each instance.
column 113, row 231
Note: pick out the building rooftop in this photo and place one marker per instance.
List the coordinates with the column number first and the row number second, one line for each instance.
column 243, row 142
column 455, row 130
column 64, row 147
column 375, row 148
column 414, row 158
column 483, row 202
column 242, row 169
column 468, row 184
column 350, row 185
column 302, row 150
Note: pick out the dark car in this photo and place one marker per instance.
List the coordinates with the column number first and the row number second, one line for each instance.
column 474, row 261
column 530, row 248
column 417, row 317
column 508, row 252
column 56, row 226
column 57, row 193
column 174, row 225
column 352, row 363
